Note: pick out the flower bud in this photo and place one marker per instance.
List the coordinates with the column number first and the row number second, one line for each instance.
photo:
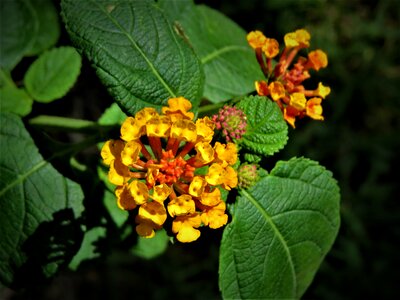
column 247, row 175
column 231, row 121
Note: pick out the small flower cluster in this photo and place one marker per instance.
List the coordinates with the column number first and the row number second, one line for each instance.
column 156, row 167
column 231, row 121
column 284, row 83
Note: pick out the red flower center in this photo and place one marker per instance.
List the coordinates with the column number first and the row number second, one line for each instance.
column 172, row 169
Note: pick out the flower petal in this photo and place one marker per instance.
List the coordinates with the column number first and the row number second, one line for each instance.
column 197, row 186
column 211, row 199
column 131, row 152
column 111, row 150
column 181, row 205
column 124, row 198
column 139, row 191
column 185, row 226
column 205, row 153
column 154, row 212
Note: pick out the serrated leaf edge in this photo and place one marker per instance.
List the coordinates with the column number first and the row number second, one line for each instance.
column 135, row 45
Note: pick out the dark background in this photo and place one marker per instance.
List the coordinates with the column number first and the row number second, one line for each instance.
column 358, row 142
column 359, row 139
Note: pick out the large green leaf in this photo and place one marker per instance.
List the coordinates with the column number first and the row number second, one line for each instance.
column 280, row 232
column 230, row 65
column 18, row 27
column 266, row 130
column 48, row 29
column 174, row 9
column 39, row 208
column 15, row 100
column 52, row 75
column 136, row 51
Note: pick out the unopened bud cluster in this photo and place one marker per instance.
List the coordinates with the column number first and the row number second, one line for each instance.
column 231, row 121
column 247, row 175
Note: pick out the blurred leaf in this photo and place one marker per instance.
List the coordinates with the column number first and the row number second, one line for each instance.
column 88, row 250
column 119, row 216
column 135, row 50
column 53, row 74
column 48, row 29
column 112, row 116
column 5, row 78
column 266, row 131
column 18, row 27
column 174, row 9
column 230, row 66
column 15, row 100
column 38, row 212
column 281, row 230
column 151, row 248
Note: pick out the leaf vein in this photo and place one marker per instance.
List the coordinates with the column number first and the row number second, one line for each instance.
column 23, row 176
column 221, row 51
column 278, row 234
column 136, row 46
column 307, row 241
column 305, row 211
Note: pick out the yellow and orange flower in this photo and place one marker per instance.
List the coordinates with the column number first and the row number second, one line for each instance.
column 155, row 167
column 285, row 82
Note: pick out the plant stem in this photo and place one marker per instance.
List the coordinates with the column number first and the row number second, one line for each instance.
column 210, row 107
column 62, row 123
column 75, row 148
column 68, row 124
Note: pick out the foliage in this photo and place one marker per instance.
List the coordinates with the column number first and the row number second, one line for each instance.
column 144, row 53
column 358, row 141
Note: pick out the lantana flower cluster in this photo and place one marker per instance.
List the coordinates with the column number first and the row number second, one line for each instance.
column 165, row 167
column 284, row 81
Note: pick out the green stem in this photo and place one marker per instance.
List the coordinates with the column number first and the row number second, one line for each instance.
column 203, row 110
column 61, row 123
column 210, row 107
column 68, row 124
column 75, row 148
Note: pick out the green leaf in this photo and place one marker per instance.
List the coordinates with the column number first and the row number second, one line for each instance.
column 252, row 158
column 230, row 65
column 135, row 50
column 18, row 27
column 119, row 216
column 112, row 116
column 5, row 79
column 15, row 100
column 88, row 249
column 53, row 74
column 174, row 9
column 281, row 230
column 39, row 209
column 48, row 26
column 151, row 248
column 266, row 131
